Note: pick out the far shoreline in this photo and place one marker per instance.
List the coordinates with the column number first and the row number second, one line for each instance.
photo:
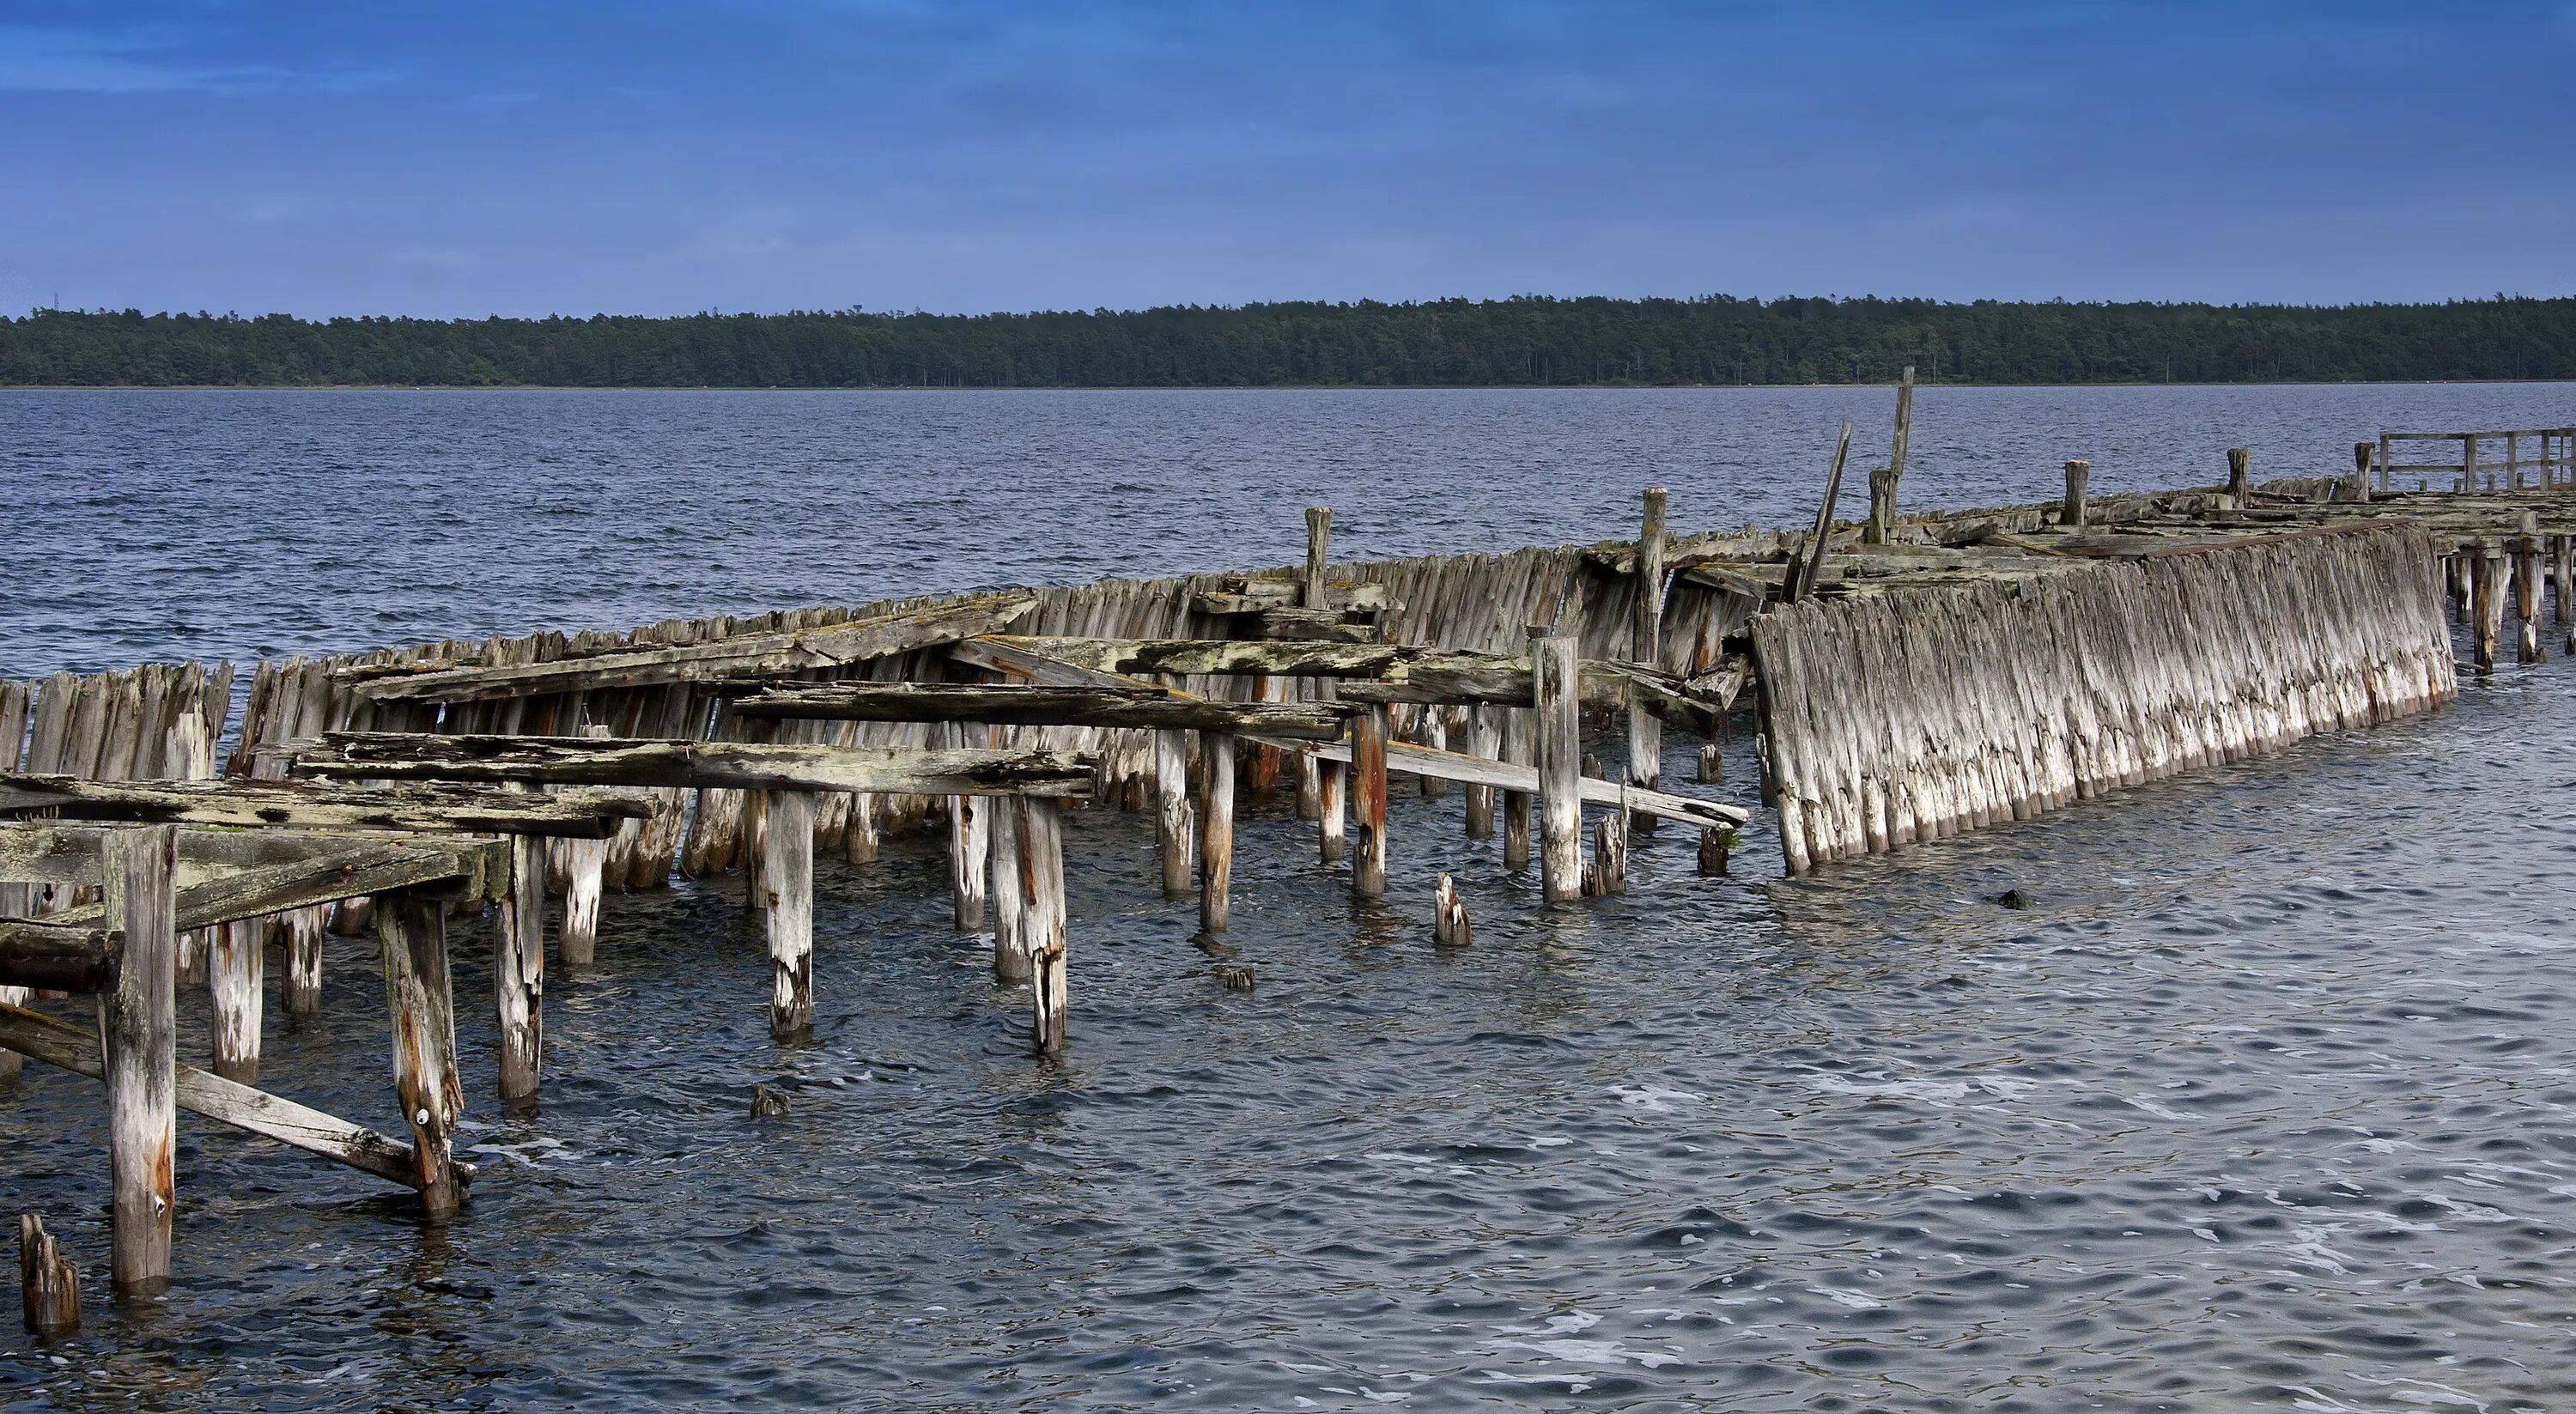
column 1921, row 385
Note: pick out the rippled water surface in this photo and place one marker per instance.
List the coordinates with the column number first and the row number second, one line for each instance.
column 2267, row 1102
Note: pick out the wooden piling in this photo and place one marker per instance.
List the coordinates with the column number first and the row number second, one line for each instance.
column 2562, row 577
column 968, row 868
column 1174, row 820
column 1449, row 915
column 859, row 846
column 1368, row 799
column 1434, row 733
column 1312, row 590
column 1041, row 846
column 586, row 866
column 1520, row 747
column 2526, row 588
column 519, row 969
column 48, row 1286
column 2070, row 514
column 1485, row 739
column 787, row 886
column 1560, row 752
column 2361, row 452
column 1216, row 830
column 2240, row 476
column 1333, row 789
column 1010, row 905
column 1607, row 872
column 1709, row 765
column 2488, row 602
column 1646, row 646
column 139, row 1027
column 419, row 998
column 234, row 993
column 1716, row 843
column 1883, row 482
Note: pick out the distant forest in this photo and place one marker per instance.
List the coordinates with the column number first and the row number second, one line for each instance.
column 1446, row 343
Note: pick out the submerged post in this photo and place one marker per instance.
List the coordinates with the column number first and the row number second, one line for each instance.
column 1560, row 752
column 138, row 1027
column 2070, row 515
column 1882, row 483
column 1041, row 871
column 2526, row 588
column 1010, row 900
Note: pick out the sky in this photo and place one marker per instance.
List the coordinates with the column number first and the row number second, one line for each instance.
column 661, row 157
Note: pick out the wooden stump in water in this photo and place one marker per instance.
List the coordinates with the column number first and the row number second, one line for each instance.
column 49, row 1288
column 1715, row 844
column 299, row 987
column 2526, row 589
column 968, row 838
column 1607, row 873
column 585, row 866
column 139, row 1027
column 1449, row 915
column 1041, row 845
column 859, row 846
column 2070, row 513
column 2562, row 577
column 1709, row 764
column 2240, row 476
column 786, row 884
column 1521, row 749
column 2489, row 603
column 1216, row 830
column 1010, row 902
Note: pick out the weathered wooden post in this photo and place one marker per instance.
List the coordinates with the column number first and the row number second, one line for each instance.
column 1553, row 669
column 2488, row 607
column 1607, row 874
column 2361, row 471
column 859, row 846
column 1449, row 915
column 1332, row 789
column 1041, row 845
column 1709, row 765
column 1520, row 747
column 2562, row 576
column 1216, row 830
column 2468, row 461
column 519, row 969
column 49, row 1288
column 968, row 838
column 585, row 866
column 1715, row 843
column 2070, row 515
column 1485, row 739
column 138, row 1028
column 1646, row 646
column 235, row 965
column 2526, row 588
column 2240, row 476
column 1313, row 591
column 786, row 886
column 1368, row 799
column 2383, row 461
column 1010, row 898
column 421, row 1004
column 1882, row 483
column 1173, row 820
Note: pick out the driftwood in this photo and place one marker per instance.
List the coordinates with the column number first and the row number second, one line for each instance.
column 729, row 765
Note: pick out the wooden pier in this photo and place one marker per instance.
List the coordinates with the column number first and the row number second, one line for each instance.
column 1913, row 677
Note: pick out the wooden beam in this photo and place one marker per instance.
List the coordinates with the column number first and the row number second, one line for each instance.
column 1150, row 708
column 59, row 958
column 748, row 657
column 364, row 868
column 314, row 806
column 1243, row 657
column 724, row 765
column 1514, row 778
column 59, row 1043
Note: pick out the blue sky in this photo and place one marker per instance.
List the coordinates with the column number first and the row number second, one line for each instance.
column 663, row 157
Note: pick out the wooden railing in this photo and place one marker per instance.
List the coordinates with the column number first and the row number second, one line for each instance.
column 2478, row 467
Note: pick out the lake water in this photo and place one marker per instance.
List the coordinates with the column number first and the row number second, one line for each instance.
column 2269, row 1101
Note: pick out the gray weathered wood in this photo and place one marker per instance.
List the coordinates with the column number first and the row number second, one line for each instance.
column 1805, row 570
column 420, row 1002
column 313, row 805
column 2070, row 513
column 1315, row 592
column 1607, row 871
column 1884, row 482
column 1174, row 821
column 1368, row 749
column 1560, row 750
column 201, row 1092
column 726, row 765
column 49, row 1288
column 519, row 970
column 1520, row 749
column 1041, row 870
column 1332, row 808
column 745, row 658
column 59, row 957
column 1484, row 739
column 1015, row 705
column 787, row 886
column 1405, row 759
column 1216, row 831
column 1010, row 903
column 236, row 965
column 138, row 1028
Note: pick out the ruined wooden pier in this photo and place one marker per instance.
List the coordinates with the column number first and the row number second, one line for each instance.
column 1912, row 676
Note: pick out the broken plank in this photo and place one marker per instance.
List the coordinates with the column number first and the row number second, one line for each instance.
column 1032, row 706
column 719, row 765
column 311, row 805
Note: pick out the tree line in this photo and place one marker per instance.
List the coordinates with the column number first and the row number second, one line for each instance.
column 1523, row 341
